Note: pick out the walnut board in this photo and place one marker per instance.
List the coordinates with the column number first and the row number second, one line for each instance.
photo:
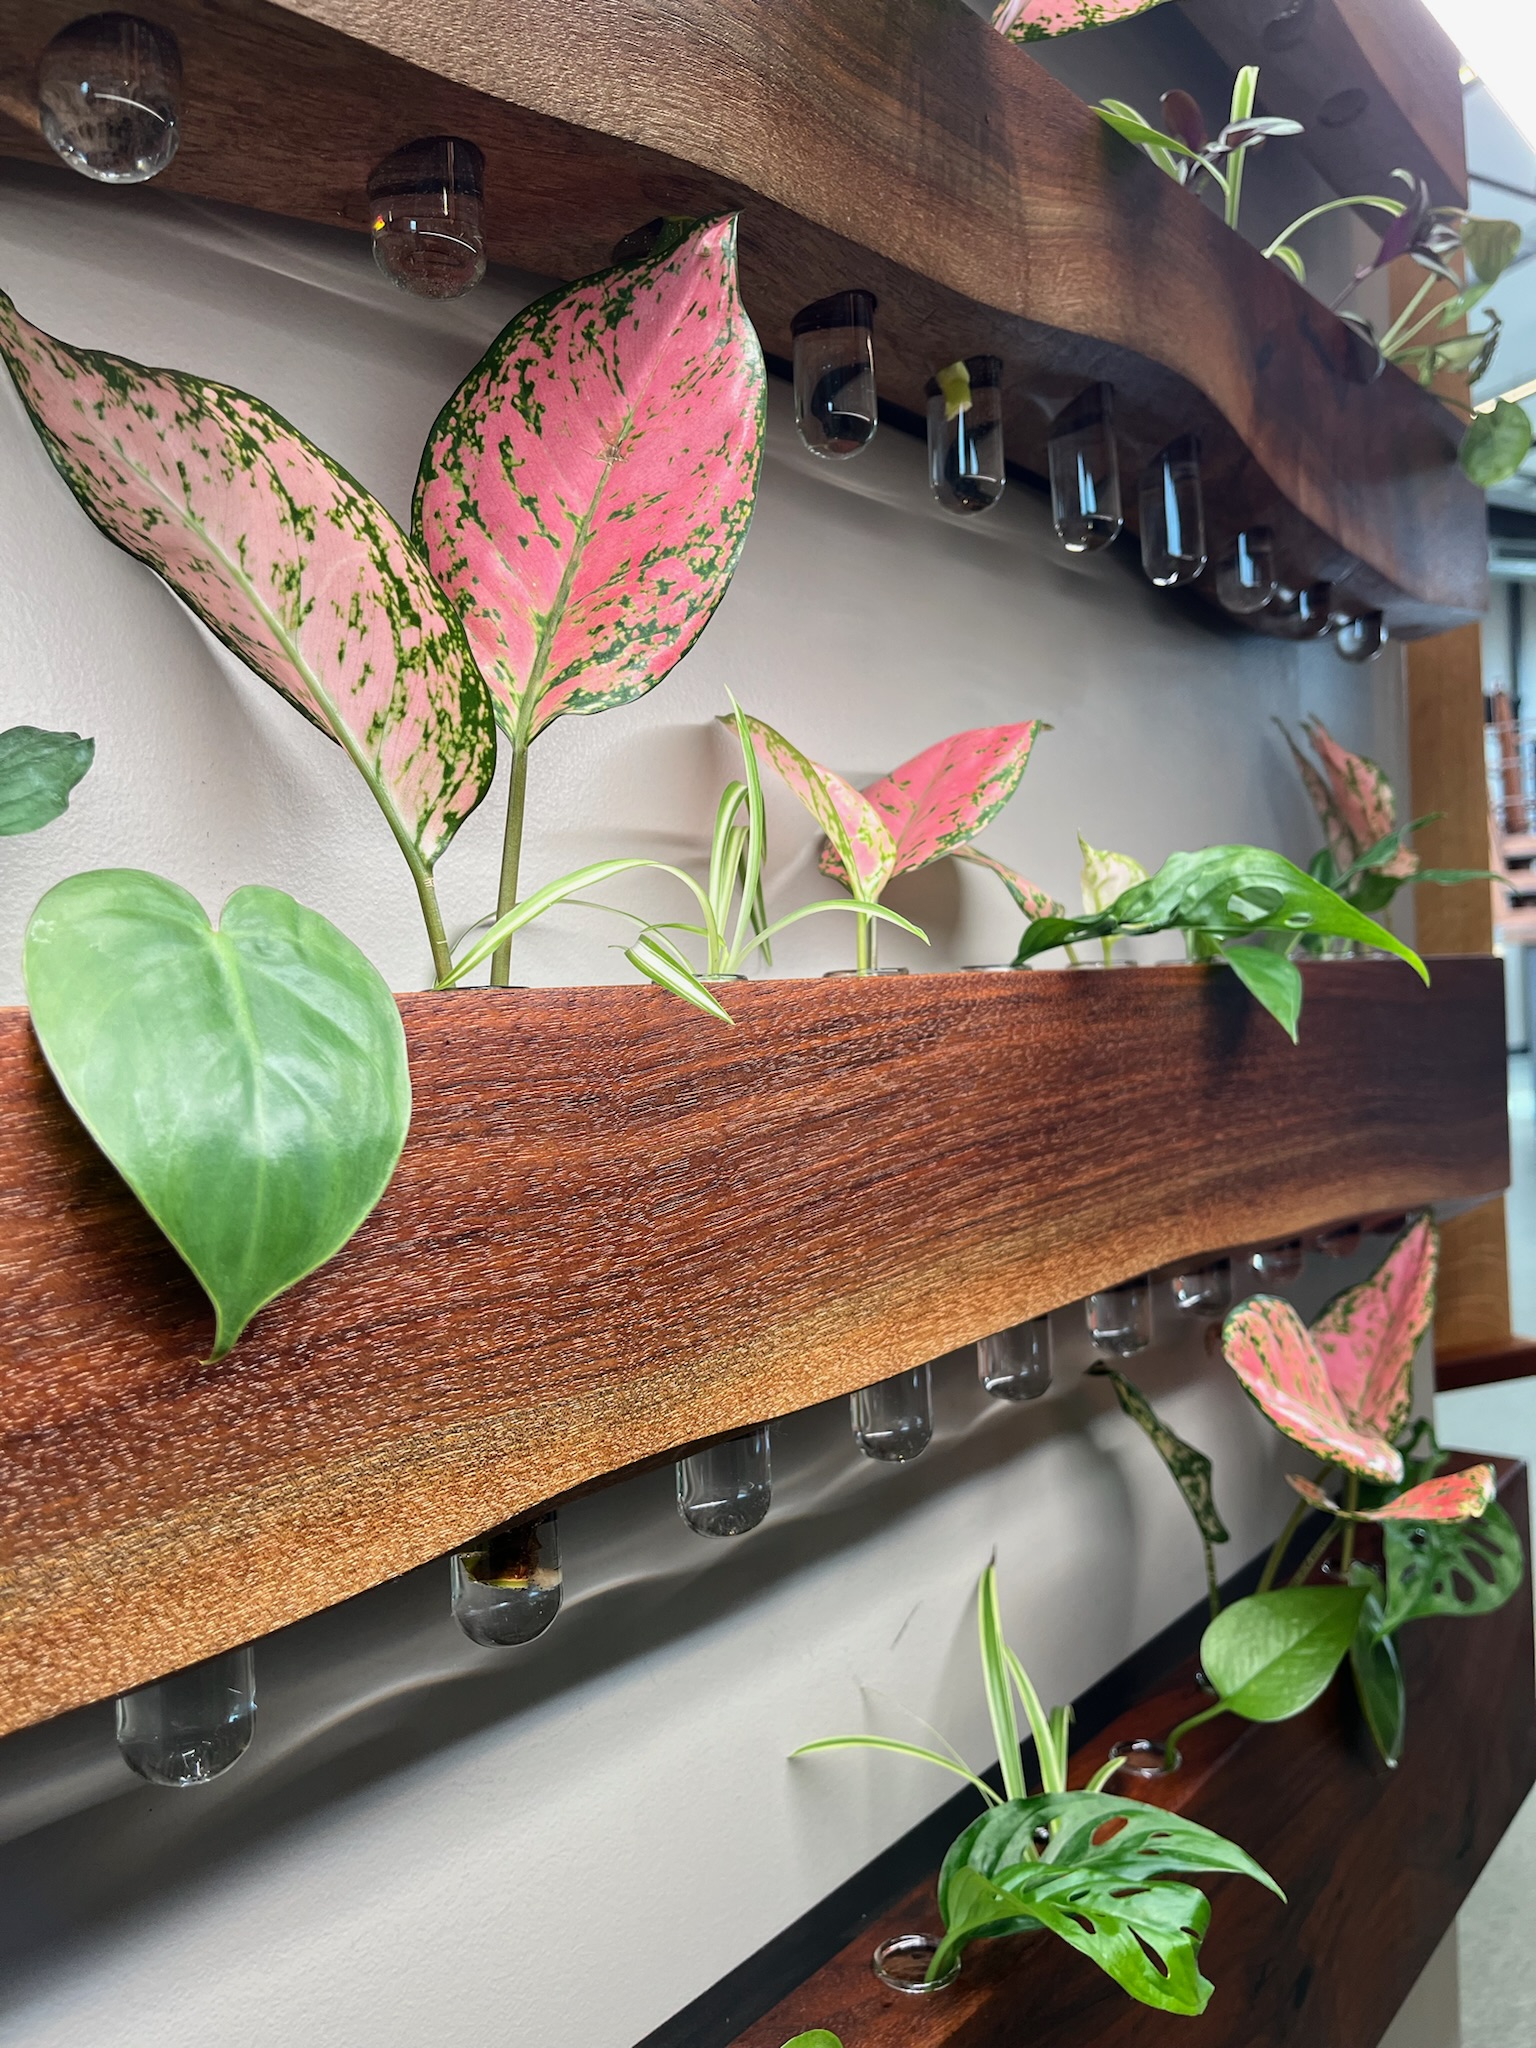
column 620, row 1227
column 1375, row 1865
column 897, row 145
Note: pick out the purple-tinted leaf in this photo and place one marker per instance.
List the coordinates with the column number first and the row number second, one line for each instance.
column 1257, row 128
column 585, row 493
column 275, row 548
column 1403, row 231
column 1182, row 117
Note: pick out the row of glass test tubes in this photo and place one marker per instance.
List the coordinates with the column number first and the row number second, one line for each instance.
column 506, row 1588
column 109, row 104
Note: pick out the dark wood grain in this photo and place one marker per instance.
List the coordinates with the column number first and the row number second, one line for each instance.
column 1513, row 1358
column 619, row 1227
column 1375, row 1865
column 899, row 145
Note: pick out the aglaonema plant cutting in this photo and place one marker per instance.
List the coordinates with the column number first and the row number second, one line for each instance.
column 929, row 808
column 1105, row 1875
column 1035, row 21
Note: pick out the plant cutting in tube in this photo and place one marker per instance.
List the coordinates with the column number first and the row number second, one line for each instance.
column 37, row 772
column 1107, row 1876
column 1035, row 21
column 584, row 496
column 1190, row 1470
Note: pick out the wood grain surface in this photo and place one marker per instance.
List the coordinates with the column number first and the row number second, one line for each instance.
column 897, row 145
column 1375, row 1865
column 619, row 1227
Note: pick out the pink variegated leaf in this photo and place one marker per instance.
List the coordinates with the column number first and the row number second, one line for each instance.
column 855, row 829
column 1269, row 1348
column 1336, row 833
column 1033, row 21
column 292, row 564
column 939, row 800
column 1367, row 1336
column 1362, row 797
column 1453, row 1497
column 1034, row 902
column 585, row 493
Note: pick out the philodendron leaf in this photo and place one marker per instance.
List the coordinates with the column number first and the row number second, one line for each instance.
column 584, row 495
column 1271, row 979
column 250, row 1083
column 1491, row 246
column 1106, row 876
column 1496, row 443
column 817, row 2038
column 856, row 833
column 1368, row 1335
column 937, row 802
column 1454, row 1497
column 1271, row 1350
column 283, row 556
column 1271, row 1655
column 1191, row 1469
column 37, row 771
column 1454, row 1568
column 1377, row 1669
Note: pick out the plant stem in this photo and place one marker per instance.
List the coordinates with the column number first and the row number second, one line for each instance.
column 1171, row 1746
column 1282, row 1545
column 1314, row 1556
column 1352, row 1502
column 1392, row 206
column 1211, row 1586
column 437, row 938
column 865, row 955
column 1394, row 333
column 511, row 859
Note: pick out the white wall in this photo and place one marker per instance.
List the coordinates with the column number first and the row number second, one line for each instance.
column 433, row 1844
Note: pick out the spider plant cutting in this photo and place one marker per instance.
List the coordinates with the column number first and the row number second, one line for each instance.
column 1425, row 338
column 1242, row 905
column 1105, row 1875
column 38, row 770
column 1366, row 857
column 584, row 496
column 928, row 809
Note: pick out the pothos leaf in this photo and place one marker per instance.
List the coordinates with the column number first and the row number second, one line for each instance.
column 249, row 1083
column 1191, row 1469
column 37, row 772
column 1496, row 443
column 1271, row 1655
column 817, row 2038
column 1377, row 1669
column 283, row 556
column 584, row 495
column 1456, row 1568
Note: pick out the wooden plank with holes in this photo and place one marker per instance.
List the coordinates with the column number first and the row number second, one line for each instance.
column 619, row 1227
column 1375, row 1865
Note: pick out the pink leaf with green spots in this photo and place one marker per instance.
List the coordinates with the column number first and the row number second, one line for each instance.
column 1361, row 797
column 585, row 493
column 1367, row 1336
column 292, row 564
column 1453, row 1497
column 1270, row 1349
column 939, row 800
column 854, row 828
column 1033, row 21
column 1032, row 900
column 1339, row 839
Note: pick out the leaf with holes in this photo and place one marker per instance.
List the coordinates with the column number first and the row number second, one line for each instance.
column 1271, row 1655
column 584, row 495
column 1271, row 1350
column 937, row 802
column 292, row 564
column 1454, row 1497
column 1377, row 1669
column 1457, row 1568
column 38, row 770
column 1368, row 1335
column 249, row 1083
column 857, row 835
column 1191, row 1469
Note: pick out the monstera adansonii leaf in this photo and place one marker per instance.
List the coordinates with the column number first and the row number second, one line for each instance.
column 1109, row 1882
column 249, row 1083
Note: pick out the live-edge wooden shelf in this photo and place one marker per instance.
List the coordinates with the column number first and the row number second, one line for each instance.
column 898, row 145
column 619, row 1228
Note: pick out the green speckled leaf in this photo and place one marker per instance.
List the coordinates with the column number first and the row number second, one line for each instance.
column 1191, row 1469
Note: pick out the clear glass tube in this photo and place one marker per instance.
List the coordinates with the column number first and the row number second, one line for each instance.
column 109, row 97
column 1204, row 1290
column 965, row 434
column 426, row 217
column 1120, row 1318
column 1085, row 472
column 1173, row 515
column 728, row 1488
column 1360, row 639
column 893, row 1420
column 1015, row 1365
column 507, row 1586
column 191, row 1727
column 1303, row 614
column 1245, row 576
column 1339, row 1241
column 836, row 408
column 1275, row 1264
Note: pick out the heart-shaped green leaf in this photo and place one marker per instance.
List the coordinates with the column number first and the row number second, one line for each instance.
column 250, row 1084
column 1377, row 1669
column 1496, row 443
column 817, row 2038
column 37, row 771
column 1271, row 1655
column 1461, row 1568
